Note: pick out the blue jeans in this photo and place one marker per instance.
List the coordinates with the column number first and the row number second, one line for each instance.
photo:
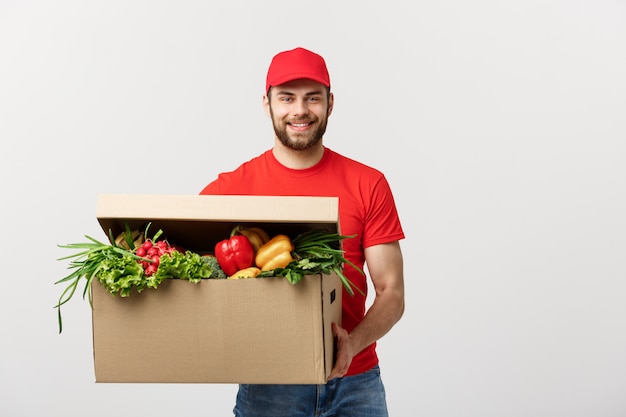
column 360, row 395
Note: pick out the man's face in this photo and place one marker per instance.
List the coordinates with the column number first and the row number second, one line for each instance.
column 299, row 111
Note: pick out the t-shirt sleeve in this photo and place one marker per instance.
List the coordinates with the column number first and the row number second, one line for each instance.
column 382, row 221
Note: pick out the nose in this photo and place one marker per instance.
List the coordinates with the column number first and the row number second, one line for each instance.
column 300, row 107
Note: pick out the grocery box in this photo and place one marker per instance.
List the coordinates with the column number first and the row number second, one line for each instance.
column 259, row 330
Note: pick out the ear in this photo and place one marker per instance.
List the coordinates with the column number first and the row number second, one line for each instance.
column 331, row 102
column 266, row 105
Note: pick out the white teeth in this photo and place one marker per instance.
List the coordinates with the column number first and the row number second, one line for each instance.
column 299, row 124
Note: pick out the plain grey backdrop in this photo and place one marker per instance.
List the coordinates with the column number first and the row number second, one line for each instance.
column 500, row 126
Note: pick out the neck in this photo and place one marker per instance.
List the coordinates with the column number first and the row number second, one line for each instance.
column 298, row 159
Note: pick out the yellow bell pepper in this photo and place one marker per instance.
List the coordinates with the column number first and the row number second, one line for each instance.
column 251, row 272
column 275, row 253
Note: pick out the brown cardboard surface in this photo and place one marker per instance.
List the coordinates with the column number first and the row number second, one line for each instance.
column 261, row 330
column 198, row 222
column 228, row 331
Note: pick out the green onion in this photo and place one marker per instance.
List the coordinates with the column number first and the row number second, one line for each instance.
column 85, row 264
column 320, row 251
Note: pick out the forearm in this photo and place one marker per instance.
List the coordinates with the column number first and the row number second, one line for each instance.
column 384, row 313
column 386, row 272
column 385, row 265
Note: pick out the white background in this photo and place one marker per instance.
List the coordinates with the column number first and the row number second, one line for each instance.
column 499, row 124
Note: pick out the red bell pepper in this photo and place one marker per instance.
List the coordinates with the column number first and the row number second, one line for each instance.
column 235, row 253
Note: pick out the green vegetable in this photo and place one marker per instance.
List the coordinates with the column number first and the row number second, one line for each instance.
column 315, row 252
column 188, row 265
column 97, row 259
column 120, row 270
column 217, row 271
column 119, row 274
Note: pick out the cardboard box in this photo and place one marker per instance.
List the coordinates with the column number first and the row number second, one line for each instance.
column 262, row 330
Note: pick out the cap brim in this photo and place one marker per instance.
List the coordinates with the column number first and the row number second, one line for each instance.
column 297, row 76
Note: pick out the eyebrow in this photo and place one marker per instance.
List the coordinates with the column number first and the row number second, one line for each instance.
column 289, row 93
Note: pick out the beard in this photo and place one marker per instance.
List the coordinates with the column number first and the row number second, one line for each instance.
column 299, row 141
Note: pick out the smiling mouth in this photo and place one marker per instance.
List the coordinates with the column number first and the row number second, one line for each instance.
column 300, row 127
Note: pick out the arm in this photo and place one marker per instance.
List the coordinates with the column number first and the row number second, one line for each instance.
column 385, row 265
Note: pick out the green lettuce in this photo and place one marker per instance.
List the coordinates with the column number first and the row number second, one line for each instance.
column 178, row 265
column 119, row 274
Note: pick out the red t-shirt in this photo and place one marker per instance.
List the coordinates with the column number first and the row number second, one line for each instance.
column 366, row 209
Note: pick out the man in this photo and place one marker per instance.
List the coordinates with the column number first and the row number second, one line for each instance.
column 299, row 101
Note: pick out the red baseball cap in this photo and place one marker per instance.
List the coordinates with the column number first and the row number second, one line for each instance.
column 295, row 64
